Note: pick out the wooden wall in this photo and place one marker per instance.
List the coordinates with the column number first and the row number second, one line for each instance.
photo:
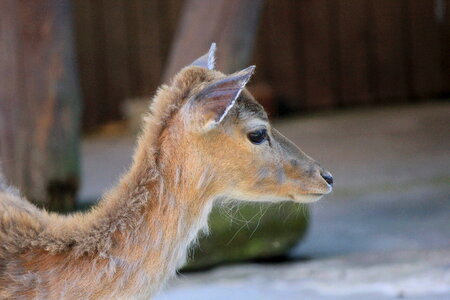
column 315, row 54
column 122, row 47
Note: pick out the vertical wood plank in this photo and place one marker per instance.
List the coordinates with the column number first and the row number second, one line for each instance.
column 99, row 99
column 170, row 17
column 150, row 57
column 87, row 63
column 132, row 12
column 353, row 52
column 282, row 67
column 116, row 52
column 389, row 50
column 264, row 59
column 314, row 19
column 446, row 49
column 425, row 49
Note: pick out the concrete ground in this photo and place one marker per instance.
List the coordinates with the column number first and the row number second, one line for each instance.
column 404, row 274
column 384, row 233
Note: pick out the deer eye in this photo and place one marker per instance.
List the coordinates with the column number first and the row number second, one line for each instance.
column 258, row 136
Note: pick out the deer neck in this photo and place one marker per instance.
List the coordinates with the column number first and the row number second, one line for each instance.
column 158, row 218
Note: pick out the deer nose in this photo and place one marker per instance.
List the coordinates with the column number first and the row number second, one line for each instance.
column 327, row 177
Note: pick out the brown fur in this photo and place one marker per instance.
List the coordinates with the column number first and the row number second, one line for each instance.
column 137, row 236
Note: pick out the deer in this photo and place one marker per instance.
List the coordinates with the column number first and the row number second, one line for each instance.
column 204, row 139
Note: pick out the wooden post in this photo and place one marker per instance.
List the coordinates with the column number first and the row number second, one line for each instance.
column 231, row 24
column 39, row 101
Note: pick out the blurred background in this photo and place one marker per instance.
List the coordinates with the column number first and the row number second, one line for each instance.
column 360, row 85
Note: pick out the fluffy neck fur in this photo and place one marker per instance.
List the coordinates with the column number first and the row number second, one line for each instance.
column 155, row 219
column 137, row 236
column 150, row 219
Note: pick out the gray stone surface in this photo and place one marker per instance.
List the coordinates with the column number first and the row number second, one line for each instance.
column 385, row 231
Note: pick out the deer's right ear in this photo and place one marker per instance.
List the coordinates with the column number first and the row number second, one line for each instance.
column 212, row 104
column 208, row 60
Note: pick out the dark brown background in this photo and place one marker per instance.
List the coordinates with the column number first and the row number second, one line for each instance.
column 315, row 54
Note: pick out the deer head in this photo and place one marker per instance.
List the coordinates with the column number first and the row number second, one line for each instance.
column 223, row 138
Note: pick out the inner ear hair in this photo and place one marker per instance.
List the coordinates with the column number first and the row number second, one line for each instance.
column 220, row 96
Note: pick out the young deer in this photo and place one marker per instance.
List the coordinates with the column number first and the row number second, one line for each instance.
column 204, row 138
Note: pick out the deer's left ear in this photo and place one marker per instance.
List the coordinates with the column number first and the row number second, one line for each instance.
column 211, row 105
column 208, row 60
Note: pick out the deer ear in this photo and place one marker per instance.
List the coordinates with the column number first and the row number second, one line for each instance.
column 214, row 102
column 208, row 60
